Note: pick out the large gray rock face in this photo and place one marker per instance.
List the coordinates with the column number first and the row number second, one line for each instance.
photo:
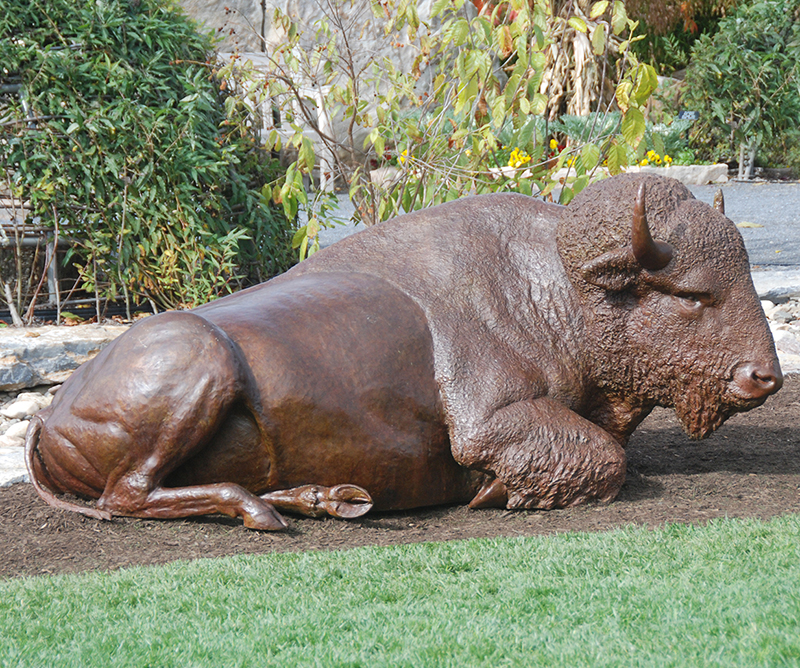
column 238, row 24
column 48, row 355
column 232, row 20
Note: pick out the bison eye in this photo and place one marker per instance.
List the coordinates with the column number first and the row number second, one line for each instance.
column 693, row 303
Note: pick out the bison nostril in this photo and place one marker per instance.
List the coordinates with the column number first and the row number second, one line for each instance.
column 759, row 380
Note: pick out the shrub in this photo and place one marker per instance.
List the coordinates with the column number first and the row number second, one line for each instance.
column 481, row 85
column 744, row 80
column 120, row 140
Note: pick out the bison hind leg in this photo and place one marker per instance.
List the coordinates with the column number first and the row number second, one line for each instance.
column 170, row 503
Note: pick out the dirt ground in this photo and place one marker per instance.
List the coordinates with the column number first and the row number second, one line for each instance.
column 749, row 468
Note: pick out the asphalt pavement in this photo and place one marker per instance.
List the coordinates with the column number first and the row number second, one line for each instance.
column 768, row 216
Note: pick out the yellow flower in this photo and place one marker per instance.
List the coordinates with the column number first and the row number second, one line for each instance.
column 518, row 158
column 553, row 144
column 667, row 159
column 644, row 162
column 402, row 157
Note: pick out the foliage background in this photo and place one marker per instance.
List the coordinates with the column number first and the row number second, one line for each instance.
column 672, row 28
column 122, row 142
column 475, row 113
column 745, row 81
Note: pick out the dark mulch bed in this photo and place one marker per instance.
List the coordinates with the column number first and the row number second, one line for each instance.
column 749, row 468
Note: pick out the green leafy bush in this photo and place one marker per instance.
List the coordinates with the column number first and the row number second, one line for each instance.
column 119, row 140
column 471, row 113
column 744, row 80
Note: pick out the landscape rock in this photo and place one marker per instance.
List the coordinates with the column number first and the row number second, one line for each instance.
column 782, row 315
column 25, row 405
column 690, row 175
column 16, row 432
column 12, row 466
column 778, row 285
column 48, row 355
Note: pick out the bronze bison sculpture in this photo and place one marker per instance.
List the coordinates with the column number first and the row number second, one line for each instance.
column 496, row 350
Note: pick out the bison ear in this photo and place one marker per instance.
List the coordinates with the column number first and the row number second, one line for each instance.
column 614, row 271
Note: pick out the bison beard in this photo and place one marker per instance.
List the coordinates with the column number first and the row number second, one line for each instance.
column 702, row 406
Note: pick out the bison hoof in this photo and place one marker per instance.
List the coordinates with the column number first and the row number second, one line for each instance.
column 492, row 495
column 343, row 501
column 267, row 519
column 346, row 501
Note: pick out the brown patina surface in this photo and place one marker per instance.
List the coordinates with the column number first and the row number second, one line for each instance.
column 506, row 368
column 749, row 468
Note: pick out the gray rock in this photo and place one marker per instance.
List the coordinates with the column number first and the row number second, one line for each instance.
column 691, row 175
column 12, row 466
column 782, row 315
column 48, row 355
column 777, row 286
column 17, row 431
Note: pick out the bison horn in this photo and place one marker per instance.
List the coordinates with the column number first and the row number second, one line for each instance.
column 651, row 255
column 719, row 201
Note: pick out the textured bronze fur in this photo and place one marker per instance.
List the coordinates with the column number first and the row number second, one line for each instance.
column 496, row 349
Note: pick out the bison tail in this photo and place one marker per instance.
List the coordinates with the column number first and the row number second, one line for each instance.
column 31, row 451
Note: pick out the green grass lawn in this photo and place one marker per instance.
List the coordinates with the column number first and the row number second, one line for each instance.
column 726, row 594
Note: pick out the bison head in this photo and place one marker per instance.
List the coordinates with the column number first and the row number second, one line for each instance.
column 664, row 281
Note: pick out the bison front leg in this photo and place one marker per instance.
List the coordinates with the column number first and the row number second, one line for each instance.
column 543, row 455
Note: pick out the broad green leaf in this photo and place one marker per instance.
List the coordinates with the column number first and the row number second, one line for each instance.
column 460, row 32
column 617, row 158
column 580, row 183
column 538, row 34
column 306, row 156
column 566, row 195
column 599, row 39
column 539, row 105
column 578, row 24
column 511, row 88
column 498, row 111
column 439, row 6
column 590, row 156
column 525, row 136
column 619, row 17
column 379, row 145
column 633, row 126
column 371, row 137
column 598, row 8
column 646, row 83
column 623, row 94
column 298, row 237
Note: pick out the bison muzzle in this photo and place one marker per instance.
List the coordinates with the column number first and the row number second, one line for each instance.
column 496, row 350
